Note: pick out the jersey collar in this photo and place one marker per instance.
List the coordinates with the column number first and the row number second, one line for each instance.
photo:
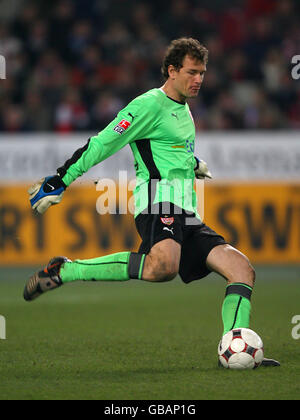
column 180, row 103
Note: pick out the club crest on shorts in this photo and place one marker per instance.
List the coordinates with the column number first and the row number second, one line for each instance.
column 167, row 220
column 122, row 126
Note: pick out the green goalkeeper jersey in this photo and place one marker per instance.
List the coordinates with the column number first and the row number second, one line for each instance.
column 161, row 134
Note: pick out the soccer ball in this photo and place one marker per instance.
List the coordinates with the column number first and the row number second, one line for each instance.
column 241, row 348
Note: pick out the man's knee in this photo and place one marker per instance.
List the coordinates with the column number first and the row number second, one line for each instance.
column 161, row 269
column 162, row 262
column 244, row 273
column 231, row 264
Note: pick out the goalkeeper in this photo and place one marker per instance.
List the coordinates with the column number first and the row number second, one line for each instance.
column 159, row 128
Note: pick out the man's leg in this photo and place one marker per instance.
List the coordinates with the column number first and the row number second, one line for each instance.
column 161, row 264
column 120, row 266
column 240, row 275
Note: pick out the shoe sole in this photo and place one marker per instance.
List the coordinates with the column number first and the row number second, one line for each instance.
column 33, row 285
column 33, row 289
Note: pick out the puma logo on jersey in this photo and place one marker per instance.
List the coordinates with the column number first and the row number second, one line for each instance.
column 169, row 229
column 174, row 114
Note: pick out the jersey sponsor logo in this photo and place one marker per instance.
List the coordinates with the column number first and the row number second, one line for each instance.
column 167, row 220
column 122, row 126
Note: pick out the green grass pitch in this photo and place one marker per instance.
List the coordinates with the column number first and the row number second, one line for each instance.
column 142, row 341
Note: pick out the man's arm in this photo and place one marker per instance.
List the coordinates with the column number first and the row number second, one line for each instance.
column 128, row 126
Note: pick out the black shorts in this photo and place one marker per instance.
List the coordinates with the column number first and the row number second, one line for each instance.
column 195, row 238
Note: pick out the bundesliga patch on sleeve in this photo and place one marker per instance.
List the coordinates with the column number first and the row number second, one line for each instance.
column 122, row 126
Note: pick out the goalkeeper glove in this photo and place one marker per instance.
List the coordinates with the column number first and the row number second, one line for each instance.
column 201, row 169
column 46, row 192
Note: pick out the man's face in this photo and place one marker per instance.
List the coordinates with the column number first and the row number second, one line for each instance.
column 187, row 81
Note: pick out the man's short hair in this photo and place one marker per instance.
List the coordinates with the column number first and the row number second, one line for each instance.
column 177, row 51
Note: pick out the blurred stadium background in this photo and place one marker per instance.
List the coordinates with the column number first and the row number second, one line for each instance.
column 70, row 66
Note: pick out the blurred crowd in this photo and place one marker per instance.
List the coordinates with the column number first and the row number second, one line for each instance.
column 72, row 65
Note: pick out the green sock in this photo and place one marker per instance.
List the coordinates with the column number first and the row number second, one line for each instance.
column 236, row 306
column 121, row 266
